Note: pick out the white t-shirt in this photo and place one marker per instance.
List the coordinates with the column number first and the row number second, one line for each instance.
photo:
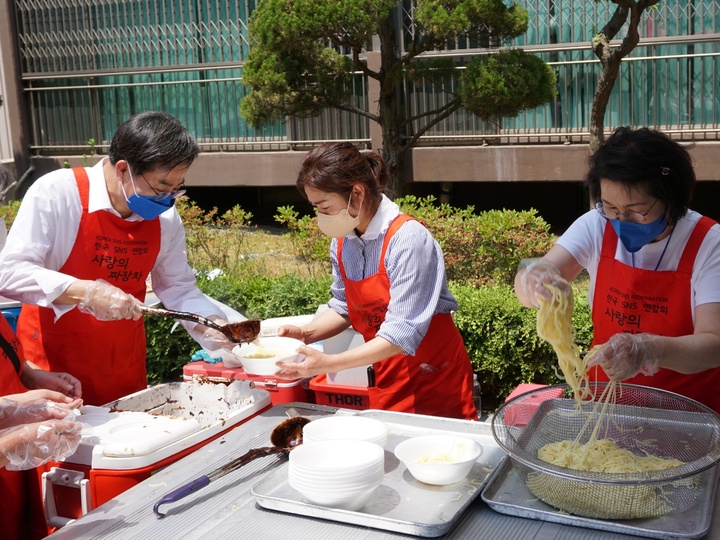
column 584, row 242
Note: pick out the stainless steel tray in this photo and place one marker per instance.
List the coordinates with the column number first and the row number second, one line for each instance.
column 400, row 503
column 506, row 493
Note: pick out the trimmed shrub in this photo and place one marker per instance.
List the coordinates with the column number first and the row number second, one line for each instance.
column 502, row 341
column 482, row 248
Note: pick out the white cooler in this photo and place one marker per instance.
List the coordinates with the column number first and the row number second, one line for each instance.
column 131, row 438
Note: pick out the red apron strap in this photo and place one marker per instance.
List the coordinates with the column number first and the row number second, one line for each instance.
column 687, row 261
column 83, row 184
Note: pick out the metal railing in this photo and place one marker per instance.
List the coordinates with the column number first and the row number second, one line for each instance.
column 86, row 68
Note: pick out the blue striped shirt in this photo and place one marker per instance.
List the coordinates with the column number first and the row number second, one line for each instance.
column 415, row 268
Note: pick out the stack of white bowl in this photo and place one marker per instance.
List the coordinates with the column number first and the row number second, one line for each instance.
column 338, row 474
column 355, row 428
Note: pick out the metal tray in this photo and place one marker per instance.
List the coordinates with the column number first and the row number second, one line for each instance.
column 400, row 503
column 506, row 493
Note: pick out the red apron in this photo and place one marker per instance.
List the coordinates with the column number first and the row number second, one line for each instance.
column 635, row 300
column 107, row 356
column 14, row 521
column 12, row 362
column 438, row 379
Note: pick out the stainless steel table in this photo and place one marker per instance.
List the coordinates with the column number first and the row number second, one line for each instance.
column 226, row 509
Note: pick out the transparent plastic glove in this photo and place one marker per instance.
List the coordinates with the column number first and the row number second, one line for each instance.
column 212, row 340
column 31, row 445
column 108, row 303
column 13, row 413
column 627, row 355
column 534, row 274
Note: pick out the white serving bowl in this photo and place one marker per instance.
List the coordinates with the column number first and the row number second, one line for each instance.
column 337, row 473
column 355, row 428
column 344, row 500
column 262, row 355
column 438, row 459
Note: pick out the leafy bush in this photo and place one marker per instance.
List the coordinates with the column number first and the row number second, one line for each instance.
column 478, row 248
column 286, row 296
column 217, row 241
column 481, row 248
column 254, row 296
column 507, row 236
column 8, row 212
column 311, row 246
column 502, row 341
column 167, row 351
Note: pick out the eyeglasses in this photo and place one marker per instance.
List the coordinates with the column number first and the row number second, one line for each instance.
column 630, row 215
column 165, row 195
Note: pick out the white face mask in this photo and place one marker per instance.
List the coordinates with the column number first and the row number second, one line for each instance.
column 340, row 224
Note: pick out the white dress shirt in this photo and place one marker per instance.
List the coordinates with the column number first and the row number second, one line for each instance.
column 43, row 234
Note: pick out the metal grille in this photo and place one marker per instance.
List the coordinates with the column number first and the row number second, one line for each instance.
column 87, row 66
column 115, row 34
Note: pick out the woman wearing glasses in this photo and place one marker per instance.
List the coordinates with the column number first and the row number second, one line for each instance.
column 654, row 268
column 88, row 238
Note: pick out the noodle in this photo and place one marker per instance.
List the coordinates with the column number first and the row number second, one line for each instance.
column 554, row 325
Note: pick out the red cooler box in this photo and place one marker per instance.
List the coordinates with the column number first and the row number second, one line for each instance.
column 338, row 395
column 127, row 440
column 281, row 391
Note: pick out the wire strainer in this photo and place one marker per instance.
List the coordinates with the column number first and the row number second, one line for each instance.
column 644, row 421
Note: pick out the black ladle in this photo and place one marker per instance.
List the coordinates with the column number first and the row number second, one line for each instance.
column 237, row 332
column 286, row 436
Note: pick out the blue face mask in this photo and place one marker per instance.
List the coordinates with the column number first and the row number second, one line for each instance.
column 635, row 235
column 146, row 206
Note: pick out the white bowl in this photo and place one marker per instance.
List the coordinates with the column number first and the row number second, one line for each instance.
column 262, row 355
column 337, row 457
column 355, row 428
column 346, row 500
column 438, row 459
column 338, row 474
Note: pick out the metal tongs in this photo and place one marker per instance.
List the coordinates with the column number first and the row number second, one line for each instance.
column 237, row 332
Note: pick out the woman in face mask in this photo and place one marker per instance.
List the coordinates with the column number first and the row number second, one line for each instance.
column 389, row 284
column 654, row 268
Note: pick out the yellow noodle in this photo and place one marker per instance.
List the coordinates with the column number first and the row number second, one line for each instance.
column 554, row 325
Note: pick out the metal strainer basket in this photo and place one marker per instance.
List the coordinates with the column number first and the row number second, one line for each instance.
column 644, row 421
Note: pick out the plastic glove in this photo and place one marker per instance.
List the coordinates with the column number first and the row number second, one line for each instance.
column 13, row 413
column 534, row 274
column 108, row 303
column 213, row 340
column 31, row 445
column 627, row 355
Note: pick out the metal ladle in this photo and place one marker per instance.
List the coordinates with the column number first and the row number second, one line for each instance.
column 286, row 436
column 237, row 332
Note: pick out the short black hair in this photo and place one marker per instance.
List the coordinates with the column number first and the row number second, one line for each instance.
column 645, row 159
column 153, row 140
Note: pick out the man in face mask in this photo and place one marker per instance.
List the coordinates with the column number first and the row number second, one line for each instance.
column 82, row 247
column 654, row 268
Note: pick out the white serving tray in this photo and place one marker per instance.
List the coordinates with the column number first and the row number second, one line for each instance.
column 400, row 503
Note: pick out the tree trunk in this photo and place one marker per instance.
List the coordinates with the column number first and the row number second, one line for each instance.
column 391, row 110
column 601, row 98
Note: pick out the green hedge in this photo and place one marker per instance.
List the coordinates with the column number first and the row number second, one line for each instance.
column 501, row 338
column 500, row 334
column 259, row 297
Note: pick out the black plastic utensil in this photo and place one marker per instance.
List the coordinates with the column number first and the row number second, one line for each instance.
column 286, row 436
column 237, row 332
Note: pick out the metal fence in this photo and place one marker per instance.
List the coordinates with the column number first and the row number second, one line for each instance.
column 87, row 66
